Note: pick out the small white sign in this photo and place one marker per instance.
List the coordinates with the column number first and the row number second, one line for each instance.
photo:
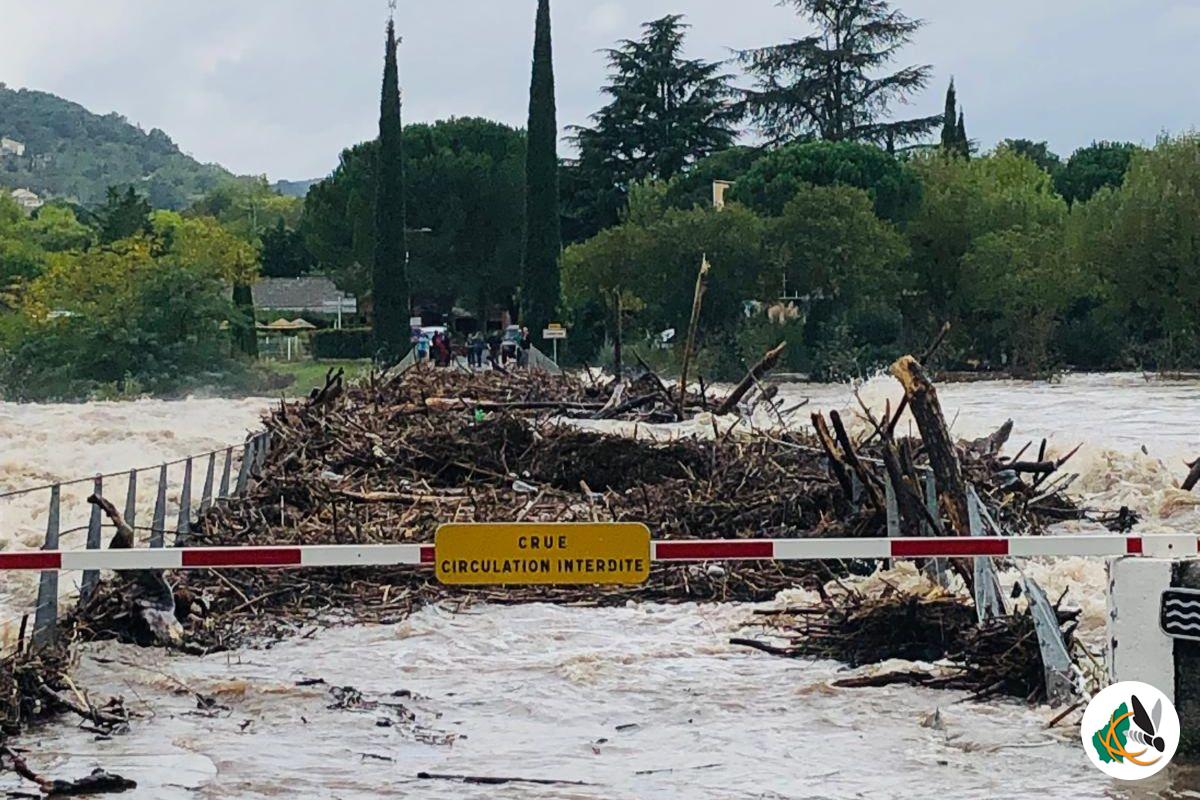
column 554, row 333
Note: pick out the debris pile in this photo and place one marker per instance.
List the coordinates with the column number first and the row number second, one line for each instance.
column 998, row 657
column 392, row 458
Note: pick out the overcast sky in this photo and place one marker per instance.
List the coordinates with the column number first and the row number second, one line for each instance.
column 281, row 86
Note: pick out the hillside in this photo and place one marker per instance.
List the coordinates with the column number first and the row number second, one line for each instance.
column 75, row 154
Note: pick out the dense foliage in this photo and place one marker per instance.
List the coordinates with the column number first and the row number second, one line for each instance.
column 835, row 83
column 147, row 312
column 74, row 154
column 665, row 113
column 469, row 175
column 1029, row 282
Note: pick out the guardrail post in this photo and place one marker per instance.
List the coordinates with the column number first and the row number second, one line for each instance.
column 989, row 603
column 936, row 568
column 184, row 525
column 45, row 621
column 91, row 577
column 131, row 500
column 260, row 452
column 247, row 459
column 1056, row 661
column 893, row 508
column 206, row 496
column 159, row 525
column 223, row 492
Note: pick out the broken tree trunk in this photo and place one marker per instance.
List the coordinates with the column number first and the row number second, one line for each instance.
column 693, row 324
column 1193, row 477
column 943, row 458
column 865, row 476
column 151, row 601
column 837, row 464
column 765, row 365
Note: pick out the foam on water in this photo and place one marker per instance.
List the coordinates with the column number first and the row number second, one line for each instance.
column 46, row 443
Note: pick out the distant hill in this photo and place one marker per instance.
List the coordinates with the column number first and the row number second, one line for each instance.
column 74, row 154
column 294, row 188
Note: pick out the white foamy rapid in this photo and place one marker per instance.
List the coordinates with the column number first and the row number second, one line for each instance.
column 43, row 444
column 643, row 701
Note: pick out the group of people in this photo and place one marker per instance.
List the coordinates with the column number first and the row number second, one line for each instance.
column 436, row 348
column 497, row 350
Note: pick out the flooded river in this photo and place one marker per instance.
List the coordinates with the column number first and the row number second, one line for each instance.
column 637, row 702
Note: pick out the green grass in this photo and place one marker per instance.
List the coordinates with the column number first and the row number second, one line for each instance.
column 309, row 374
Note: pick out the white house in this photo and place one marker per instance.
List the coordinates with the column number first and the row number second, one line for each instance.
column 11, row 147
column 27, row 200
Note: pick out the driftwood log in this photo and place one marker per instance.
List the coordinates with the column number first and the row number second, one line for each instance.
column 765, row 365
column 943, row 457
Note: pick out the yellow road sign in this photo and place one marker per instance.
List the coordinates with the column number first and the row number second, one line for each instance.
column 564, row 553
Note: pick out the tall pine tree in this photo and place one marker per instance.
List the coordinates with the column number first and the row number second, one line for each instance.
column 836, row 84
column 540, row 281
column 949, row 131
column 390, row 273
column 964, row 144
column 666, row 112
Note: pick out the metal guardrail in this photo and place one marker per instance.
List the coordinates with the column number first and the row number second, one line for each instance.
column 252, row 455
column 989, row 599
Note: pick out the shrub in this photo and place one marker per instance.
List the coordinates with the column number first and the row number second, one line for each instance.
column 344, row 343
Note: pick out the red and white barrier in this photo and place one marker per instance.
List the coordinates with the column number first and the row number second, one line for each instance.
column 662, row 551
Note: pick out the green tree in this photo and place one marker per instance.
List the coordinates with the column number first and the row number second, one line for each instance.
column 652, row 263
column 1037, row 152
column 1144, row 244
column 773, row 180
column 470, row 176
column 836, row 83
column 1017, row 287
column 248, row 207
column 695, row 186
column 846, row 267
column 961, row 202
column 244, row 333
column 1092, row 168
column 665, row 113
column 540, row 279
column 55, row 228
column 390, row 290
column 116, row 315
column 123, row 215
column 284, row 254
column 954, row 126
column 950, row 141
column 339, row 220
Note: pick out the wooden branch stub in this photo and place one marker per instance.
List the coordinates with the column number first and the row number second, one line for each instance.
column 765, row 365
column 943, row 458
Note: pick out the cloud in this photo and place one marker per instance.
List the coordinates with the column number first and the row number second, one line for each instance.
column 281, row 86
column 605, row 18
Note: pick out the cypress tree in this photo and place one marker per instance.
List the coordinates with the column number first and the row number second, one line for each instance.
column 964, row 144
column 949, row 131
column 245, row 337
column 540, row 284
column 389, row 275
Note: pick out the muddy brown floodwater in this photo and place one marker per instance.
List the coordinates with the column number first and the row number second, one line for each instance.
column 644, row 701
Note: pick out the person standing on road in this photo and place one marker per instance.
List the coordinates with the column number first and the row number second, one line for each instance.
column 422, row 347
column 523, row 345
